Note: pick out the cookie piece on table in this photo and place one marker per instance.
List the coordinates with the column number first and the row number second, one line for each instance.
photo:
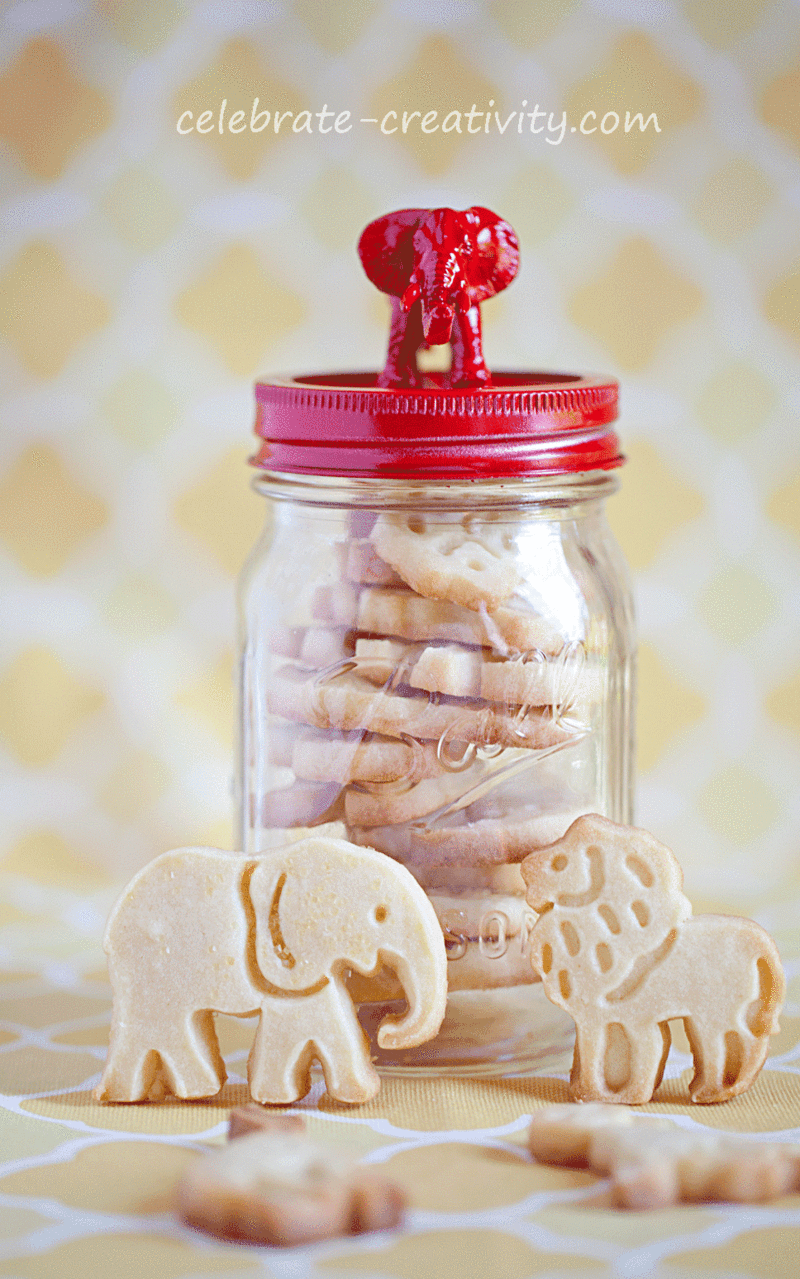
column 653, row 1163
column 255, row 1118
column 617, row 947
column 471, row 561
column 283, row 1189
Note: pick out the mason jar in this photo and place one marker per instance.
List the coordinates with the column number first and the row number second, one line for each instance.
column 437, row 661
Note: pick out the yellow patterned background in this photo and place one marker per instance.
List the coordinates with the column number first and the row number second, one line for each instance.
column 147, row 277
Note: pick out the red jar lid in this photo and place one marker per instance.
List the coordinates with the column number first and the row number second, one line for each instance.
column 342, row 424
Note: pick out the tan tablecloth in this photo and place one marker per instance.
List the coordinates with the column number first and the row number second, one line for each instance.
column 85, row 1190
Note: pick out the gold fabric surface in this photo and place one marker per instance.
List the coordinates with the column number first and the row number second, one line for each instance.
column 88, row 1189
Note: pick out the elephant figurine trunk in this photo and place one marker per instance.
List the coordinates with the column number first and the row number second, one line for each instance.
column 438, row 265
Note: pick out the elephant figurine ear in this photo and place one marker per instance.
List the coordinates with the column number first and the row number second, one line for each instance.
column 496, row 260
column 386, row 251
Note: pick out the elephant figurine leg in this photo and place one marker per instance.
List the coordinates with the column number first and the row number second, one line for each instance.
column 294, row 1030
column 405, row 338
column 468, row 367
column 161, row 1055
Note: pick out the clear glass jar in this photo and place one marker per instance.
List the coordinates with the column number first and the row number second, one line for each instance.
column 445, row 669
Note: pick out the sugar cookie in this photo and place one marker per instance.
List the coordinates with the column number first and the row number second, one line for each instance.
column 618, row 948
column 470, row 561
column 653, row 1163
column 512, row 628
column 284, row 1189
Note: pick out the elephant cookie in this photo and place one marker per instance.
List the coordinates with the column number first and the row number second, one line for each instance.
column 653, row 1163
column 470, row 562
column 200, row 931
column 281, row 1188
column 617, row 947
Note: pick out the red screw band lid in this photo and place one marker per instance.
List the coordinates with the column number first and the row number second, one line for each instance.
column 342, row 424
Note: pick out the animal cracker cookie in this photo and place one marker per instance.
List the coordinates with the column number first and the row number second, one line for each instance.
column 653, row 1163
column 488, row 842
column 255, row 1118
column 470, row 561
column 486, row 939
column 515, row 628
column 301, row 804
column 617, row 946
column 360, row 563
column 342, row 699
column 281, row 1188
column 527, row 679
column 363, row 757
column 199, row 931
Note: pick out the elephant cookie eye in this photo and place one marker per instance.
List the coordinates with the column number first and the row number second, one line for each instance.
column 559, row 862
column 380, row 914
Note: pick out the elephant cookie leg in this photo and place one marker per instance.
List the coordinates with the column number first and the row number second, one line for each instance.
column 149, row 1059
column 296, row 1029
column 344, row 1055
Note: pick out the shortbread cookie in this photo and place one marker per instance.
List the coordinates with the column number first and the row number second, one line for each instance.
column 363, row 757
column 279, row 836
column 346, row 701
column 286, row 641
column 486, row 940
column 301, row 804
column 464, row 843
column 326, row 645
column 360, row 563
column 336, row 604
column 469, row 879
column 386, row 805
column 199, row 931
column 284, row 1189
column 281, row 737
column 531, row 679
column 618, row 949
column 471, row 561
column 512, row 628
column 653, row 1163
column 381, row 660
column 314, row 645
column 254, row 1118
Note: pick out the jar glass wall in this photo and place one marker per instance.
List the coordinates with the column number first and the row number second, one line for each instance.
column 452, row 736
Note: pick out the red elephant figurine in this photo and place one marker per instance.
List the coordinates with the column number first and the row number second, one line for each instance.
column 438, row 265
